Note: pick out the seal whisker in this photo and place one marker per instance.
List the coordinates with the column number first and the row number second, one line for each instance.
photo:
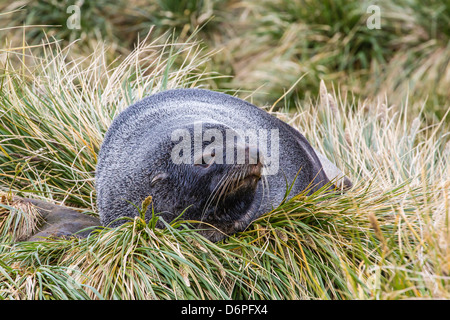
column 226, row 187
column 213, row 194
column 265, row 181
column 220, row 190
column 221, row 186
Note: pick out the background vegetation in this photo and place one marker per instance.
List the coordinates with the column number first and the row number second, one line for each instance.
column 374, row 101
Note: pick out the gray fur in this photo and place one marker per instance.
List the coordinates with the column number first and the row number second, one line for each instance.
column 136, row 153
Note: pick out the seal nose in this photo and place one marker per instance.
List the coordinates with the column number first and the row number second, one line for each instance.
column 252, row 154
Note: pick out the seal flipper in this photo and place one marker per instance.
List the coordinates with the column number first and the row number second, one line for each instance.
column 61, row 221
column 334, row 173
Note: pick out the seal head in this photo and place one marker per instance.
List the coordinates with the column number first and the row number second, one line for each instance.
column 219, row 197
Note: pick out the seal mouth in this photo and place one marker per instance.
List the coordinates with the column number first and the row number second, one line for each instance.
column 249, row 179
column 246, row 182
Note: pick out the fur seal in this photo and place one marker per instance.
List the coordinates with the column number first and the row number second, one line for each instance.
column 215, row 158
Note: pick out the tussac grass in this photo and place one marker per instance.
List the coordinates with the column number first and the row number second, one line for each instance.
column 388, row 238
column 257, row 39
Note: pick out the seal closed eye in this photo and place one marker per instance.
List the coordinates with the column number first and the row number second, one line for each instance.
column 220, row 159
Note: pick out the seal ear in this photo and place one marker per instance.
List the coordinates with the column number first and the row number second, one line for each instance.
column 158, row 177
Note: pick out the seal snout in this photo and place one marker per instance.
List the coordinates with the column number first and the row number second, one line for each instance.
column 255, row 161
column 250, row 171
